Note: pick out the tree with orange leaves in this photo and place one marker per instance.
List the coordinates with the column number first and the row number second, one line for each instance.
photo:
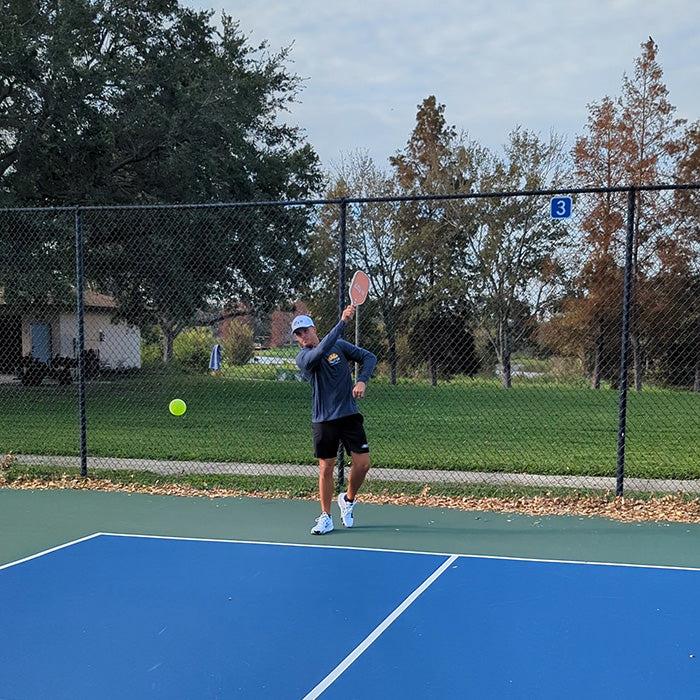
column 630, row 141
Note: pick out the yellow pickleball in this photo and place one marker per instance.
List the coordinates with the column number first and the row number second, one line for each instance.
column 177, row 407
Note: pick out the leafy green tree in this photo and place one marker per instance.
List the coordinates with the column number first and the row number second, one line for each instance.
column 106, row 102
column 145, row 102
column 507, row 249
column 373, row 241
column 491, row 259
column 426, row 166
column 37, row 260
column 178, row 268
column 447, row 331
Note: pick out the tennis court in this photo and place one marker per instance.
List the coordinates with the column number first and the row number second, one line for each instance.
column 109, row 595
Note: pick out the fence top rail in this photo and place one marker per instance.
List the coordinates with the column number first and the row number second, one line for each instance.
column 562, row 191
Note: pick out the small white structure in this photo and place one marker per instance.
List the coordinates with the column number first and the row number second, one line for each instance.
column 118, row 345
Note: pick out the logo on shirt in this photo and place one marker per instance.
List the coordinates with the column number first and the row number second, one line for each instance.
column 333, row 358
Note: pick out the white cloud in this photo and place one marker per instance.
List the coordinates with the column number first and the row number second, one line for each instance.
column 494, row 64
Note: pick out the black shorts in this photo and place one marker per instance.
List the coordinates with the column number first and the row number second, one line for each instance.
column 348, row 430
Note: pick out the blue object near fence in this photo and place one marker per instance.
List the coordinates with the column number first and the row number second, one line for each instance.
column 215, row 358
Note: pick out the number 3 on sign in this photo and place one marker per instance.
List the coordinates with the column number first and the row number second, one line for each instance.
column 561, row 207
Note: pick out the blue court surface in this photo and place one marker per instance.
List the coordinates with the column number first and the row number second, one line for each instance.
column 136, row 617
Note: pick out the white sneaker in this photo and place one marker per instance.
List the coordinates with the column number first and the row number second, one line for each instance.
column 324, row 524
column 346, row 508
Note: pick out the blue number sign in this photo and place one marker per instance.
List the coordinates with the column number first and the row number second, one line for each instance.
column 561, row 207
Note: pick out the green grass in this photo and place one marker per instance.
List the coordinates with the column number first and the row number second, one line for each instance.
column 462, row 425
column 288, row 352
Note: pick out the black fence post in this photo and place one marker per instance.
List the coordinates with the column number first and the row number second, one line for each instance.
column 80, row 340
column 624, row 351
column 342, row 252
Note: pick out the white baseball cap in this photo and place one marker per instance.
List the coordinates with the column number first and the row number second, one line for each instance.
column 302, row 322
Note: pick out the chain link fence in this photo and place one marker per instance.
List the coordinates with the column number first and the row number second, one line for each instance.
column 526, row 340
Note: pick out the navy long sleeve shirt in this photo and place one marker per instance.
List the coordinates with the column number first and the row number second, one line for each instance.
column 326, row 367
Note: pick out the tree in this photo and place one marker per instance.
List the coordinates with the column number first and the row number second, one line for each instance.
column 167, row 266
column 137, row 102
column 586, row 323
column 491, row 259
column 373, row 240
column 687, row 248
column 675, row 316
column 37, row 261
column 688, row 164
column 427, row 166
column 595, row 304
column 630, row 141
column 649, row 132
column 446, row 331
column 508, row 247
column 133, row 102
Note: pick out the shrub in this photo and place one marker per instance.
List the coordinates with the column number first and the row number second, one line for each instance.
column 192, row 348
column 151, row 355
column 237, row 346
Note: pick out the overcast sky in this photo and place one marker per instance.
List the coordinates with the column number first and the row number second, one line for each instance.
column 494, row 64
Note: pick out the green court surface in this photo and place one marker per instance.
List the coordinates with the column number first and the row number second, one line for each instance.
column 33, row 521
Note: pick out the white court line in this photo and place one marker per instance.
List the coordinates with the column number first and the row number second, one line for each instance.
column 584, row 562
column 372, row 637
column 48, row 551
column 307, row 545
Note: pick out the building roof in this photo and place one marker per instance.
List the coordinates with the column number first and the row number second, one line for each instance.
column 95, row 299
column 91, row 298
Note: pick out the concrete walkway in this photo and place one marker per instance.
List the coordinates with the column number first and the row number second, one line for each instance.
column 421, row 476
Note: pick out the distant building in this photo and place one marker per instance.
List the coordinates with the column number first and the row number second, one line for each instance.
column 52, row 333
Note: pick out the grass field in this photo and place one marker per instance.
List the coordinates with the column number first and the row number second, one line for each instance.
column 472, row 425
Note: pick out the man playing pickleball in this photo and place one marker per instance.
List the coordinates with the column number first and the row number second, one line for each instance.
column 336, row 419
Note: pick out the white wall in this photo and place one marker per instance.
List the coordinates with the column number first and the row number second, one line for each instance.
column 118, row 344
